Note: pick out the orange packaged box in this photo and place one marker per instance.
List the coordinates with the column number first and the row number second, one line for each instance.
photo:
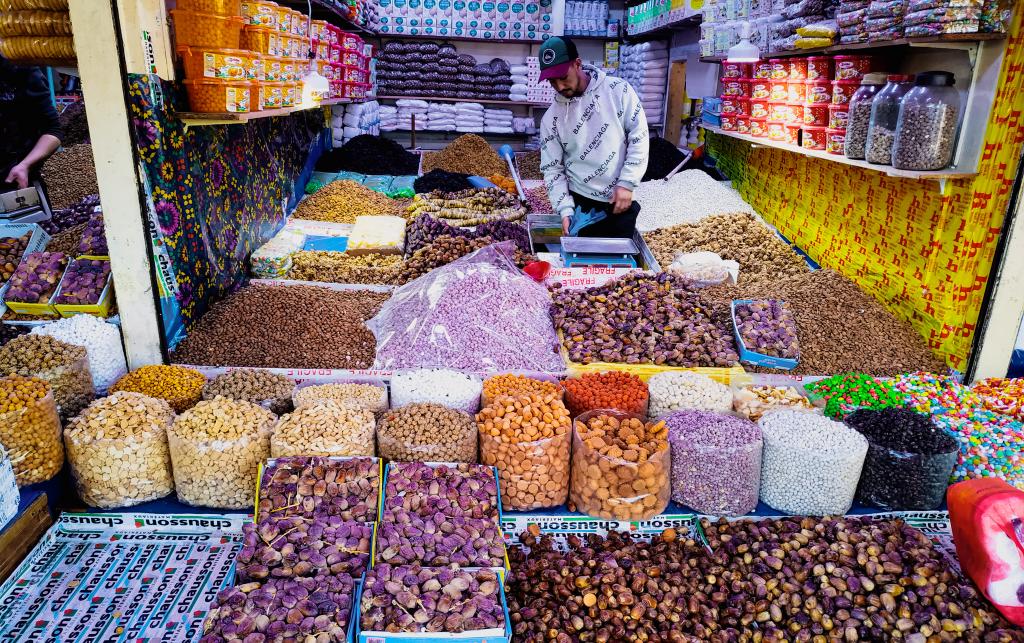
column 300, row 24
column 272, row 95
column 213, row 95
column 225, row 64
column 260, row 13
column 219, row 7
column 292, row 94
column 206, row 30
column 283, row 16
column 288, row 73
column 273, row 68
column 262, row 40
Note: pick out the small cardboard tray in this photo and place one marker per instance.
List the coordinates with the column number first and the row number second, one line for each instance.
column 384, row 485
column 102, row 306
column 752, row 357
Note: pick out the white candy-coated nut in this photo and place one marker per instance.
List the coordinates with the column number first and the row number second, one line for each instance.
column 678, row 390
column 324, row 428
column 216, row 448
column 117, row 448
column 102, row 342
column 755, row 401
column 453, row 389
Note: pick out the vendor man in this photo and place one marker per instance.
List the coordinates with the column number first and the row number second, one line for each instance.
column 593, row 145
column 29, row 128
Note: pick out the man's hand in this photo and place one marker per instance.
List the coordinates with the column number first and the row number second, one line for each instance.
column 565, row 226
column 19, row 175
column 622, row 198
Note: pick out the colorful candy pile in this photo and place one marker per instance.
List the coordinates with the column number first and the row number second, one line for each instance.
column 991, row 444
column 845, row 393
column 1003, row 395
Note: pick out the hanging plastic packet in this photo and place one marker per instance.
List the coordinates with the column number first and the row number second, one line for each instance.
column 581, row 219
column 402, row 187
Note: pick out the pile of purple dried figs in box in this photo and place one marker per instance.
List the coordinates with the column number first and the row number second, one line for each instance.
column 36, row 277
column 84, row 282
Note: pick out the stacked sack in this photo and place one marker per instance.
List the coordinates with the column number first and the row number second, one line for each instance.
column 852, row 18
column 388, row 118
column 409, row 108
column 782, row 36
column 885, row 19
column 520, row 77
column 441, row 117
column 351, row 120
column 498, row 121
column 469, row 118
column 524, row 125
column 645, row 67
column 936, row 17
column 430, row 69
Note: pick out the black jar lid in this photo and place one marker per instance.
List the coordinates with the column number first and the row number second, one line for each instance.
column 935, row 79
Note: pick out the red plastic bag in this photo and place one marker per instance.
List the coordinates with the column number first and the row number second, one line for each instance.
column 987, row 519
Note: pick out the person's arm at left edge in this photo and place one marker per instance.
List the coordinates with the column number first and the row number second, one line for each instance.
column 36, row 103
column 634, row 122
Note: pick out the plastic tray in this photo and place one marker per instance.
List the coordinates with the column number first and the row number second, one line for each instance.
column 752, row 357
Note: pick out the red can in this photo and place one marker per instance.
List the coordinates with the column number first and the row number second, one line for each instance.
column 835, row 140
column 798, row 69
column 796, row 111
column 779, row 90
column 852, row 67
column 819, row 68
column 816, row 114
column 736, row 87
column 739, row 105
column 762, row 69
column 760, row 88
column 759, row 107
column 776, row 131
column 735, row 70
column 778, row 110
column 759, row 127
column 838, row 115
column 742, row 124
column 780, row 68
column 729, row 122
column 814, row 137
column 819, row 91
column 842, row 91
column 793, row 133
column 797, row 90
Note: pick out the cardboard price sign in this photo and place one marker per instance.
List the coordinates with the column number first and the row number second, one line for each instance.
column 120, row 577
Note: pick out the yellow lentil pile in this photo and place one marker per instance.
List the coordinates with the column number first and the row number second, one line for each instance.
column 181, row 387
column 30, row 429
column 344, row 268
column 343, row 201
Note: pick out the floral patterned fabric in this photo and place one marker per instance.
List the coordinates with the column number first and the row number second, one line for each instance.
column 215, row 193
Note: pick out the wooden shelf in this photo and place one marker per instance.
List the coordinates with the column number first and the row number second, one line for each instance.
column 934, row 175
column 463, row 100
column 960, row 38
column 328, row 10
column 598, row 38
column 405, row 36
column 194, row 119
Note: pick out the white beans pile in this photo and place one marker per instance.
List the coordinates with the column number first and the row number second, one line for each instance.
column 216, row 449
column 324, row 428
column 453, row 389
column 687, row 197
column 678, row 390
column 102, row 342
column 117, row 448
column 811, row 463
column 371, row 397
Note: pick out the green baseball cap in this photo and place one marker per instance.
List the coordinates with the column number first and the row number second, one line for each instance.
column 556, row 56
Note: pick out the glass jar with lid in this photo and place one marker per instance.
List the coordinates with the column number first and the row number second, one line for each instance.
column 859, row 116
column 927, row 128
column 885, row 115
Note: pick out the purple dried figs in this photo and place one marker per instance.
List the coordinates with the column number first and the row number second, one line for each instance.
column 767, row 327
column 295, row 546
column 317, row 487
column 94, row 241
column 84, row 282
column 36, row 277
column 405, row 538
column 468, row 490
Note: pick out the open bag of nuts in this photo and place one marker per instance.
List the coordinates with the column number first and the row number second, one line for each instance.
column 270, row 390
column 30, row 429
column 372, row 396
column 216, row 449
column 117, row 449
column 527, row 438
column 620, row 466
column 324, row 428
column 427, row 433
column 64, row 367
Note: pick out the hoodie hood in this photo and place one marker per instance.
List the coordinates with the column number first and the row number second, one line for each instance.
column 597, row 78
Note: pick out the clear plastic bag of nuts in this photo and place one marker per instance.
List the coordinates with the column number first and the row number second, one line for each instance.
column 31, row 435
column 71, row 385
column 117, row 449
column 8, row 489
column 368, row 394
column 427, row 433
column 216, row 449
column 527, row 438
column 324, row 428
column 610, row 482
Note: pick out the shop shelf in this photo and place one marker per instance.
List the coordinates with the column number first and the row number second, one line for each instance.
column 935, row 175
column 229, row 118
column 329, row 10
column 965, row 39
column 405, row 36
column 666, row 31
column 439, row 99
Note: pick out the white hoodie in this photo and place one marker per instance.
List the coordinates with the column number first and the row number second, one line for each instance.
column 589, row 155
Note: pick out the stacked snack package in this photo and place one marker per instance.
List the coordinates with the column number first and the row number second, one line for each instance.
column 885, row 19
column 935, row 17
column 851, row 18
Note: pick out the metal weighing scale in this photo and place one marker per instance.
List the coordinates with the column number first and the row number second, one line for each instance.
column 595, row 251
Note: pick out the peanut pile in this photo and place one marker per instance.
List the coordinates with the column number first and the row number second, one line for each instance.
column 117, row 449
column 272, row 391
column 324, row 428
column 527, row 438
column 216, row 448
column 181, row 387
column 30, row 429
column 620, row 466
column 427, row 433
column 343, row 201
